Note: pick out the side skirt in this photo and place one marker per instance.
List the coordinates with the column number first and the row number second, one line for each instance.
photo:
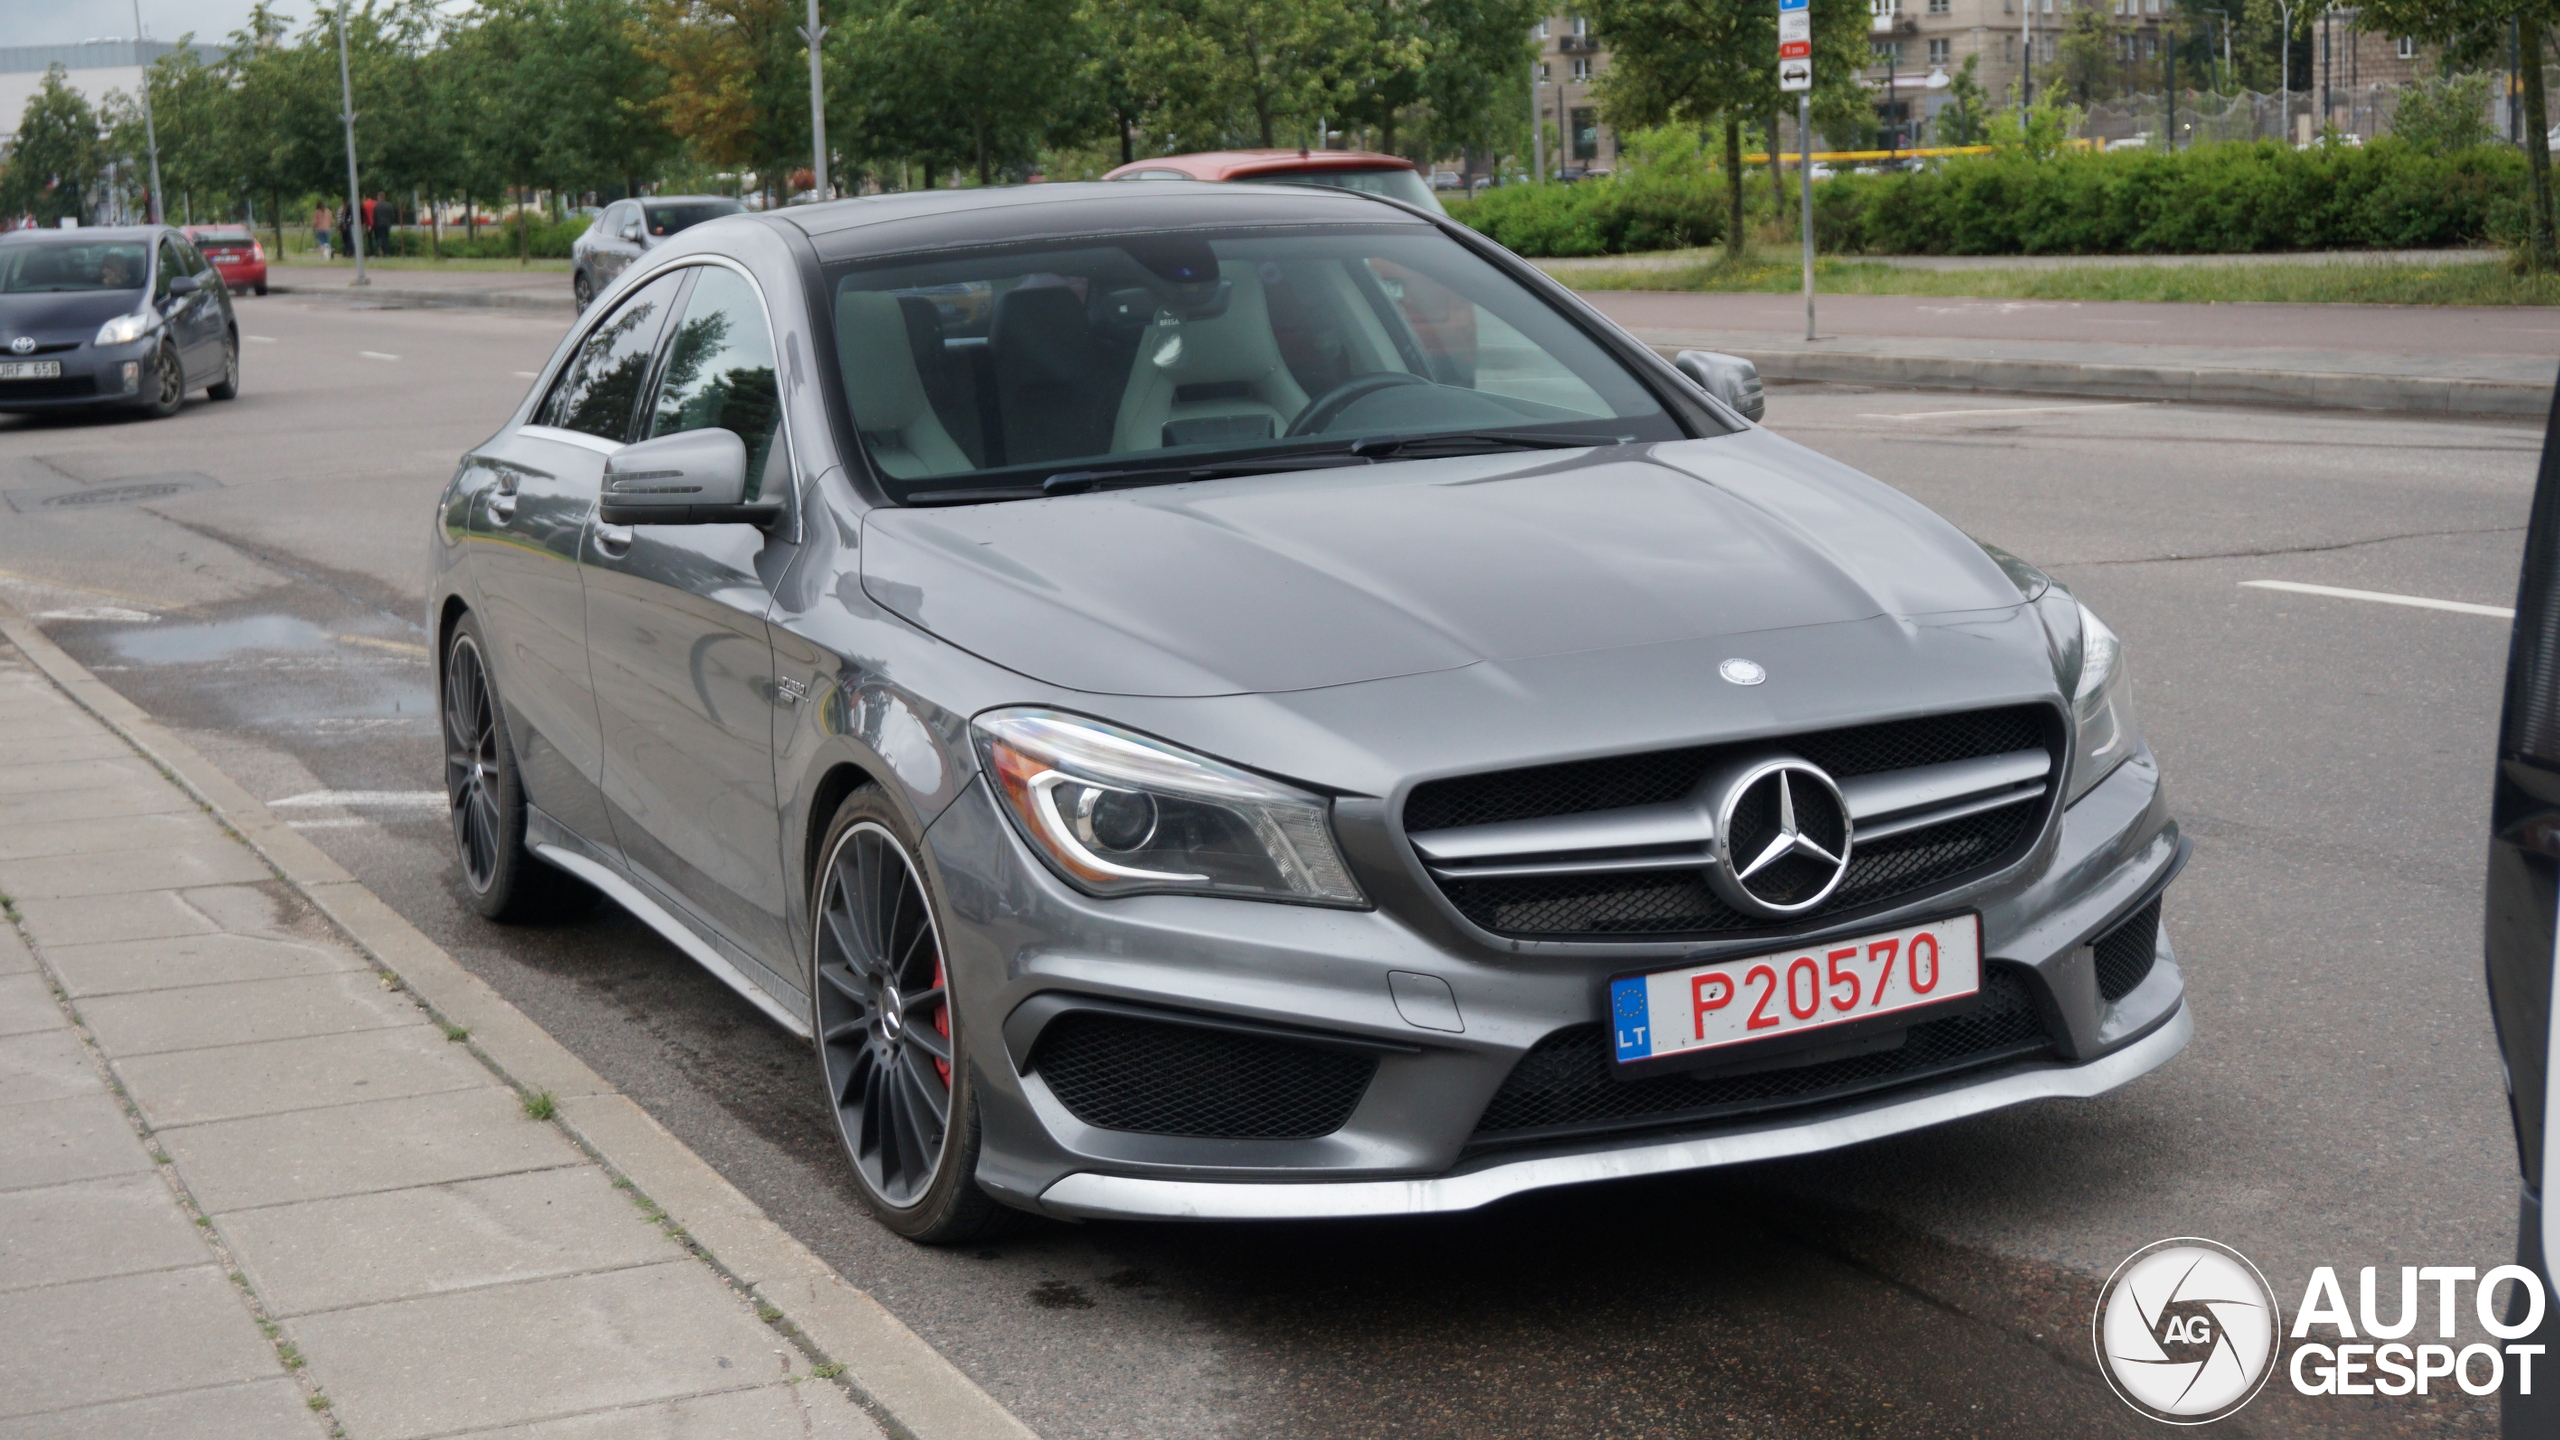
column 657, row 917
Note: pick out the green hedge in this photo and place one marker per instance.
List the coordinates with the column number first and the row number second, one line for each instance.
column 497, row 242
column 2213, row 199
column 1599, row 217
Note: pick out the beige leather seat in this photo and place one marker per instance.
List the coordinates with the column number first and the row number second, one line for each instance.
column 889, row 403
column 1219, row 380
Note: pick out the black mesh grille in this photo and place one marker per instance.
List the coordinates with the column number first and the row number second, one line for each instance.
column 1564, row 1085
column 1613, row 784
column 2126, row 952
column 1661, row 903
column 1678, row 902
column 1121, row 1073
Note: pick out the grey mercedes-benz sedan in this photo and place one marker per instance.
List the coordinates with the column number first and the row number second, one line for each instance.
column 1218, row 701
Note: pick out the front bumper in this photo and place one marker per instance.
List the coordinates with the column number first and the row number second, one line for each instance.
column 92, row 375
column 1016, row 935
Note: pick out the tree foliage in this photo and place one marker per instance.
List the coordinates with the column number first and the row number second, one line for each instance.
column 56, row 158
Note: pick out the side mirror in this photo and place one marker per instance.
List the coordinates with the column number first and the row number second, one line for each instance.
column 1729, row 378
column 182, row 286
column 630, row 229
column 698, row 477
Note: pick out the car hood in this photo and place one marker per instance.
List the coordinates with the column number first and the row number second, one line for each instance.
column 73, row 315
column 1293, row 582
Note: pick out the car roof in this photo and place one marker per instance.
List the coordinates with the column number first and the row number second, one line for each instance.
column 917, row 220
column 1238, row 164
column 684, row 199
column 92, row 232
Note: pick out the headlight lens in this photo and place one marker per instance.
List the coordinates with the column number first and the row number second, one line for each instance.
column 2101, row 707
column 124, row 329
column 1118, row 813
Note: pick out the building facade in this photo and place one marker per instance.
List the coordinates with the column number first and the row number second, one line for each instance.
column 1570, row 62
column 94, row 68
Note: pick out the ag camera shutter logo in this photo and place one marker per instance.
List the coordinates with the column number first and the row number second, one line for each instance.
column 2187, row 1331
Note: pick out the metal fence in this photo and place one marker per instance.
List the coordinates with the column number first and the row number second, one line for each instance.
column 2364, row 111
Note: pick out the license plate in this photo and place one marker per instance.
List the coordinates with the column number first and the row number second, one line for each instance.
column 1789, row 992
column 30, row 369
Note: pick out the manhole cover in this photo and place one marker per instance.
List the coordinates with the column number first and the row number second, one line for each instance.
column 114, row 492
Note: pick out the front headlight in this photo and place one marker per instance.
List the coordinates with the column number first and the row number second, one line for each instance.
column 1116, row 813
column 2101, row 706
column 125, row 329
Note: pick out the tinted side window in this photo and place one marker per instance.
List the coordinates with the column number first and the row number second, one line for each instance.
column 196, row 265
column 719, row 371
column 598, row 391
column 170, row 268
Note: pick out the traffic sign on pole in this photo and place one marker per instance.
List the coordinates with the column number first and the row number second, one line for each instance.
column 1795, row 45
column 1795, row 74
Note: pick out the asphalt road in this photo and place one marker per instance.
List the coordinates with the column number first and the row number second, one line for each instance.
column 249, row 572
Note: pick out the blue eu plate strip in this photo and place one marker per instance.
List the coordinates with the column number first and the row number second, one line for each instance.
column 1630, row 1017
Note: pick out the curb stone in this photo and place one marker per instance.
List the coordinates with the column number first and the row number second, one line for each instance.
column 914, row 1391
column 453, row 299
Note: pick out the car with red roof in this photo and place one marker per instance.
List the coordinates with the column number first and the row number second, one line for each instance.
column 1368, row 172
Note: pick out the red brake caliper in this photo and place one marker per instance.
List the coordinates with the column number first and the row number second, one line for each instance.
column 942, row 1020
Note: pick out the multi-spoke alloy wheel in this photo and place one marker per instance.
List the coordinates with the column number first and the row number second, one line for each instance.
column 471, row 763
column 884, row 1015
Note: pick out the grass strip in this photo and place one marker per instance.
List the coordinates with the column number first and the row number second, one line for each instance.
column 2381, row 283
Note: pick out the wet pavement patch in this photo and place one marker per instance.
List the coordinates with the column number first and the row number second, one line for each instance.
column 131, row 491
column 219, row 639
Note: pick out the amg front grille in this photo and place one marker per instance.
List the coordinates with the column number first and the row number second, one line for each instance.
column 1118, row 1072
column 2126, row 952
column 1657, row 889
column 1565, row 1084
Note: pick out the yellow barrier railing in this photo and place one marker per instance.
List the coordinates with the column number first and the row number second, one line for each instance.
column 1825, row 157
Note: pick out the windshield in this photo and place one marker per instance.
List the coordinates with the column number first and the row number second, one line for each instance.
column 1002, row 368
column 1404, row 185
column 59, row 265
column 665, row 220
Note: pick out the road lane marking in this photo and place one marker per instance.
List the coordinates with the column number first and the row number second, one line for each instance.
column 2459, row 607
column 2016, row 410
column 264, row 339
column 348, row 823
column 364, row 800
column 116, row 614
column 401, row 647
column 376, row 355
column 527, row 375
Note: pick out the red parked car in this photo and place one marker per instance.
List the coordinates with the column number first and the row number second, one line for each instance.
column 236, row 255
column 1390, row 175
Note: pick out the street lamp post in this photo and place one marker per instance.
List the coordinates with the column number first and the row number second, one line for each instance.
column 814, row 32
column 347, row 115
column 150, row 133
column 1537, row 128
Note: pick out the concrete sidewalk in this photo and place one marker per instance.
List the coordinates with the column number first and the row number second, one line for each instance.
column 260, row 1179
column 539, row 291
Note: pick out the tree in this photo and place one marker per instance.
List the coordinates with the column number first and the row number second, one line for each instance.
column 2443, row 113
column 2453, row 21
column 737, row 80
column 2088, row 54
column 56, row 158
column 1966, row 117
column 1253, row 70
column 980, row 83
column 1697, row 62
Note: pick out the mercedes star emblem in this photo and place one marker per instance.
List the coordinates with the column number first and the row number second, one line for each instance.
column 1742, row 672
column 1782, row 838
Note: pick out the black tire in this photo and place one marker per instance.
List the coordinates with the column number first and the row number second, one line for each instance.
column 876, row 975
column 584, row 289
column 262, row 287
column 164, row 385
column 228, row 387
column 501, row 876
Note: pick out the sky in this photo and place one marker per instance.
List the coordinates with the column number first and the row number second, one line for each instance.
column 65, row 22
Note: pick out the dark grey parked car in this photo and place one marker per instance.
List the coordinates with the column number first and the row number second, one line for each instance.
column 629, row 229
column 1227, row 701
column 131, row 316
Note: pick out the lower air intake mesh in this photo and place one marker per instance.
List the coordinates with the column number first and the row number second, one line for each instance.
column 1117, row 1072
column 2126, row 952
column 1564, row 1085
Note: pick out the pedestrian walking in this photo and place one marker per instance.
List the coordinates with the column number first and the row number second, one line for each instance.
column 321, row 221
column 384, row 214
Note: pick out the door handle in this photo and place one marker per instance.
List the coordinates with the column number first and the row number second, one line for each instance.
column 613, row 540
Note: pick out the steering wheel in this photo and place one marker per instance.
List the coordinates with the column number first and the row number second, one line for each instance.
column 1320, row 413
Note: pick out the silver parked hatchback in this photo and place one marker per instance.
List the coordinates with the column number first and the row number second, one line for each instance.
column 1224, row 701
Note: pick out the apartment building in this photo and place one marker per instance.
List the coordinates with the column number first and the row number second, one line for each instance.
column 1570, row 60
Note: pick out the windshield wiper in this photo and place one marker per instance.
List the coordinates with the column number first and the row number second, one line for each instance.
column 1075, row 482
column 1415, row 446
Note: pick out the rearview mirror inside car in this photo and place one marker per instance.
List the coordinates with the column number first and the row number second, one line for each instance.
column 698, row 477
column 1729, row 378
